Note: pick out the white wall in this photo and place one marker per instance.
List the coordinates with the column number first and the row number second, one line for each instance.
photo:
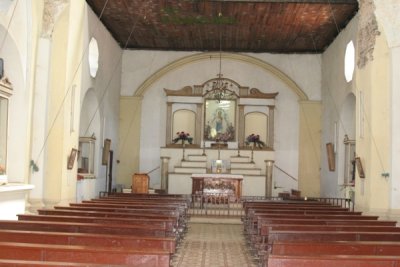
column 304, row 70
column 14, row 53
column 106, row 86
column 335, row 90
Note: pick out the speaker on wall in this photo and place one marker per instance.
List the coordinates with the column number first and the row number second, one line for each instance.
column 106, row 151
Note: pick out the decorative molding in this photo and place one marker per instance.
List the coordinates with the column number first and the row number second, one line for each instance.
column 185, row 91
column 51, row 11
column 256, row 93
column 6, row 89
column 367, row 33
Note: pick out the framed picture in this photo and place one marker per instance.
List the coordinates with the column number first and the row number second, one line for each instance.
column 360, row 168
column 106, row 151
column 219, row 120
column 71, row 158
column 331, row 156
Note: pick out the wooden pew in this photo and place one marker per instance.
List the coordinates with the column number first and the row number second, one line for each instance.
column 119, row 229
column 333, row 261
column 323, row 236
column 166, row 224
column 84, row 254
column 89, row 239
column 336, row 248
column 26, row 263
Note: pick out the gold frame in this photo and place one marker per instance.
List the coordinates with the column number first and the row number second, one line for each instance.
column 213, row 107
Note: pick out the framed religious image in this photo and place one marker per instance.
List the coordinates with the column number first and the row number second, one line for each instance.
column 331, row 156
column 106, row 151
column 219, row 120
column 71, row 158
column 360, row 168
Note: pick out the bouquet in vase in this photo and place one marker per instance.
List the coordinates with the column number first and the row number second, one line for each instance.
column 255, row 140
column 182, row 136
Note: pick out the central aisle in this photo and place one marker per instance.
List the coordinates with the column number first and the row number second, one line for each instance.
column 213, row 245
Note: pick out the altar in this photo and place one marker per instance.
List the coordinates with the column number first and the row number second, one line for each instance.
column 229, row 185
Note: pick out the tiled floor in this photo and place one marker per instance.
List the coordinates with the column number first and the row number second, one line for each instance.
column 213, row 245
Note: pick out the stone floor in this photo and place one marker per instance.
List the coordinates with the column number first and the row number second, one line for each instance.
column 213, row 244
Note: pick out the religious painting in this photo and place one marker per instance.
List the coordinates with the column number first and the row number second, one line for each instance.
column 360, row 168
column 71, row 158
column 219, row 121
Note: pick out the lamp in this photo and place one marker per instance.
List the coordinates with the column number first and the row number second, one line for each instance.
column 219, row 89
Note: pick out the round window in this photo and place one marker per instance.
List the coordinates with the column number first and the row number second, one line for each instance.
column 93, row 57
column 349, row 59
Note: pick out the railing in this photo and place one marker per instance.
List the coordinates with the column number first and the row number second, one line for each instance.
column 230, row 206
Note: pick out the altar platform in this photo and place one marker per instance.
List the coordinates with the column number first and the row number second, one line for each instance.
column 180, row 173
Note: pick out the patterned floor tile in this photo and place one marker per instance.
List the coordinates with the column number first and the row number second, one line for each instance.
column 213, row 245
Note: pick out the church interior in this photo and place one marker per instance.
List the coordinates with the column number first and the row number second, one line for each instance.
column 199, row 133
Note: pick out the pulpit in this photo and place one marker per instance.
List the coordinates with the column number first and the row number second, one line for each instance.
column 140, row 183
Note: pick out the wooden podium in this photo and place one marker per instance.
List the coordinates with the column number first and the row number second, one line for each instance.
column 140, row 183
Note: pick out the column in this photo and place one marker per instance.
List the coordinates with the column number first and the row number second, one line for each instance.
column 271, row 129
column 168, row 137
column 164, row 173
column 268, row 177
column 241, row 127
column 199, row 123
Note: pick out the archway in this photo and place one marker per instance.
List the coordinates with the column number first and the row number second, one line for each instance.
column 233, row 56
column 90, row 126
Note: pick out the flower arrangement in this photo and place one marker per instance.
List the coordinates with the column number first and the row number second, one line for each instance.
column 182, row 136
column 255, row 139
column 2, row 170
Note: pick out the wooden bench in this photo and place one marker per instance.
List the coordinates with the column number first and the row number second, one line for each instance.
column 166, row 224
column 88, row 239
column 323, row 236
column 84, row 254
column 31, row 263
column 119, row 229
column 333, row 261
column 336, row 248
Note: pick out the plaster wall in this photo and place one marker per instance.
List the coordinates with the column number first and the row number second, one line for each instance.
column 106, row 87
column 139, row 65
column 335, row 90
column 373, row 193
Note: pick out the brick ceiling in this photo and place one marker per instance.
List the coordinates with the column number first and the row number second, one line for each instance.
column 302, row 26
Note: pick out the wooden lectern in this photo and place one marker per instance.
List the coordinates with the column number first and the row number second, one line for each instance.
column 140, row 183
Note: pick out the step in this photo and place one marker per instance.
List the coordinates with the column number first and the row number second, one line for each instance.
column 240, row 159
column 254, row 171
column 180, row 169
column 195, row 164
column 197, row 157
column 242, row 165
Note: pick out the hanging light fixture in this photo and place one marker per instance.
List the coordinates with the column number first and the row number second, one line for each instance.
column 219, row 90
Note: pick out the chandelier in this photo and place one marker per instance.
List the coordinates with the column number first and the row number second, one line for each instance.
column 219, row 90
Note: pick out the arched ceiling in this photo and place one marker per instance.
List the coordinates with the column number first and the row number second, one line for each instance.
column 274, row 26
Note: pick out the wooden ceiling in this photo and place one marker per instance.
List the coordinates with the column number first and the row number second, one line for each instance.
column 274, row 26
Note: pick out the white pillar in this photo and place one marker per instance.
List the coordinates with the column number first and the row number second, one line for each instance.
column 268, row 177
column 164, row 173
